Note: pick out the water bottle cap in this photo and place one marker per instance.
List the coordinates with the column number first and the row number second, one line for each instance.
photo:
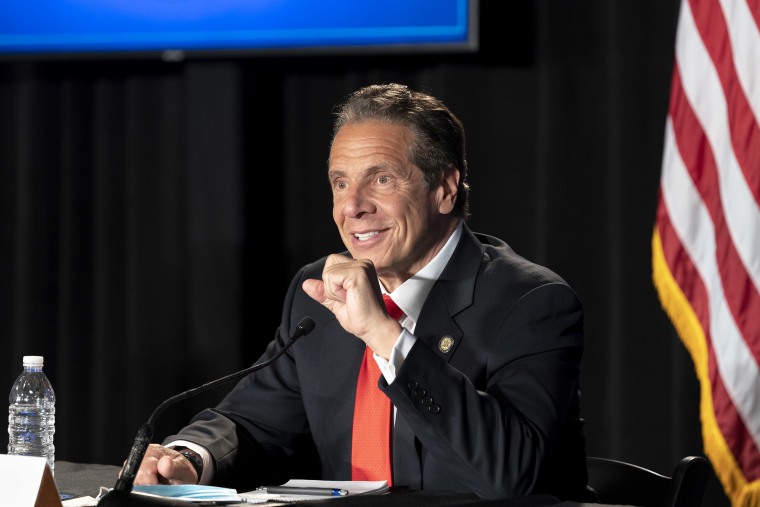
column 33, row 360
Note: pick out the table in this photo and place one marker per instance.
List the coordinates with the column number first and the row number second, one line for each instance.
column 81, row 479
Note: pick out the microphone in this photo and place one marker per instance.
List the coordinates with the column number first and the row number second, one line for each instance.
column 121, row 495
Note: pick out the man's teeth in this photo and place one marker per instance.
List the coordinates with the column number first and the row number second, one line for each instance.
column 365, row 236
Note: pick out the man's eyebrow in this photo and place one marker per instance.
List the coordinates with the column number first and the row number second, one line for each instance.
column 337, row 173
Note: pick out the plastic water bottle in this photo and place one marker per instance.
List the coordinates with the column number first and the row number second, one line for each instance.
column 31, row 413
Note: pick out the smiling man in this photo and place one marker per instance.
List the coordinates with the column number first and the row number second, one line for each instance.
column 468, row 380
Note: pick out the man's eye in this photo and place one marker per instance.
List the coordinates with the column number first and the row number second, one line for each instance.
column 383, row 180
column 340, row 185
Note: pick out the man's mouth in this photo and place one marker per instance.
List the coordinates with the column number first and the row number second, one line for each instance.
column 364, row 236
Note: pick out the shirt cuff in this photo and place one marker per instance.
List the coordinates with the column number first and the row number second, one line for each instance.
column 400, row 350
column 208, row 466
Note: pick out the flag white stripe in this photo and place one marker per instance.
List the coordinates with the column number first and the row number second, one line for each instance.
column 705, row 94
column 745, row 43
column 694, row 227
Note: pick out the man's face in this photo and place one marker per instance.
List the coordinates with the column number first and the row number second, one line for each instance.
column 382, row 207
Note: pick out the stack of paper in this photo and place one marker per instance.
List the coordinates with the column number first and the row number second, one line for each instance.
column 305, row 489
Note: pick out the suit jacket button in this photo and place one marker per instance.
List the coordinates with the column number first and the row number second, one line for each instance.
column 435, row 408
column 413, row 385
column 420, row 393
column 427, row 401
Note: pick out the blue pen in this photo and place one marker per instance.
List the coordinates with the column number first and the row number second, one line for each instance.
column 291, row 490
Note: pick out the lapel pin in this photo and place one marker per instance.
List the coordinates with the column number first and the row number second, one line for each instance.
column 445, row 344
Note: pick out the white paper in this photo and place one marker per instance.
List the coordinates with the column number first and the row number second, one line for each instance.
column 21, row 479
column 353, row 488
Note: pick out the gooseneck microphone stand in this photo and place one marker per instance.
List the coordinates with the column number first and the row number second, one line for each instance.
column 121, row 494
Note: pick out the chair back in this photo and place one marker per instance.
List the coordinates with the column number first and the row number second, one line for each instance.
column 620, row 482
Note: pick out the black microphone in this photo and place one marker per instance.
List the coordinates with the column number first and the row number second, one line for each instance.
column 121, row 495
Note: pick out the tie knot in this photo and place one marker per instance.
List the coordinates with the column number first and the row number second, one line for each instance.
column 391, row 307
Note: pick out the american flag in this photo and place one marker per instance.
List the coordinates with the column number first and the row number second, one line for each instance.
column 706, row 243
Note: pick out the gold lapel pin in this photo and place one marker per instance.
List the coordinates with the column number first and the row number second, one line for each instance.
column 445, row 344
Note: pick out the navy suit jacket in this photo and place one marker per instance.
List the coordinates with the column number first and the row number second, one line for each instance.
column 488, row 399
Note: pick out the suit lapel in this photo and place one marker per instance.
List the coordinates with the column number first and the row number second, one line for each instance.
column 452, row 293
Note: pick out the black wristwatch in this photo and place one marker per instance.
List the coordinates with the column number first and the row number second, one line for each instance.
column 194, row 459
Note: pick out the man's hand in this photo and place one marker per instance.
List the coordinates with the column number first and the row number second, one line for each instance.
column 162, row 465
column 349, row 288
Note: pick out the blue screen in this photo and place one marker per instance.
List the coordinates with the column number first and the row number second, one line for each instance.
column 66, row 26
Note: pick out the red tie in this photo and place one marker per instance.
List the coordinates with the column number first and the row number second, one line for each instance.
column 391, row 307
column 371, row 445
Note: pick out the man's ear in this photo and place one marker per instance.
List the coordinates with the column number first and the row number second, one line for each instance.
column 448, row 189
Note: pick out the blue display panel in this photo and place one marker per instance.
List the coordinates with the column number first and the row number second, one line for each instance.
column 155, row 26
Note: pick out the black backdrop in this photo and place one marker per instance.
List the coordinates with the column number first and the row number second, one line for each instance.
column 152, row 213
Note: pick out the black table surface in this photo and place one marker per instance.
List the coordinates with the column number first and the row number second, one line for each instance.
column 81, row 479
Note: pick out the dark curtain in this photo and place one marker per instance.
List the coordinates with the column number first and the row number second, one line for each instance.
column 152, row 213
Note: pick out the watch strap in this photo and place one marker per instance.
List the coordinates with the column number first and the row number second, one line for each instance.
column 194, row 459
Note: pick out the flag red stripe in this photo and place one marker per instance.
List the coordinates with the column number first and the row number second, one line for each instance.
column 745, row 132
column 740, row 293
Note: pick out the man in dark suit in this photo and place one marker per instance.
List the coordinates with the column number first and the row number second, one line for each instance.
column 482, row 367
